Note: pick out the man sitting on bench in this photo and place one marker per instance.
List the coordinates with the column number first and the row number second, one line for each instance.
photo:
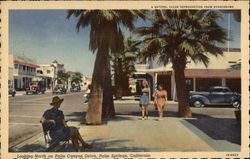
column 58, row 128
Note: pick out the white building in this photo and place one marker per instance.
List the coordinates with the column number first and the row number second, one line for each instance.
column 198, row 77
column 11, row 71
column 24, row 70
column 47, row 71
column 58, row 67
column 85, row 82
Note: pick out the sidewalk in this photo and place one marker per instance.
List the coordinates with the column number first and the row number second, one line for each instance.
column 126, row 133
column 134, row 100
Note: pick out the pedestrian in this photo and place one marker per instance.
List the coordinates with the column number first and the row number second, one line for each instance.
column 160, row 100
column 87, row 94
column 58, row 128
column 144, row 100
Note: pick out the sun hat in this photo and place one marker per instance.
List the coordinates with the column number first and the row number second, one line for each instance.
column 55, row 100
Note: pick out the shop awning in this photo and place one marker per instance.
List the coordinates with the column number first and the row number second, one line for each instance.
column 212, row 73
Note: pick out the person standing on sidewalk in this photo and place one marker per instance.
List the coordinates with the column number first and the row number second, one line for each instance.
column 160, row 100
column 144, row 100
column 58, row 128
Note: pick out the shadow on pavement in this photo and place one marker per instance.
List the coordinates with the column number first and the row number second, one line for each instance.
column 106, row 145
column 75, row 116
column 217, row 128
column 30, row 148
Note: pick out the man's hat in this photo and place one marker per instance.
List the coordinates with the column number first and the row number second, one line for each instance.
column 56, row 99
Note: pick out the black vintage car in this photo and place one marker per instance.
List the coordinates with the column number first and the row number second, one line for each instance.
column 75, row 88
column 217, row 95
column 59, row 89
column 12, row 91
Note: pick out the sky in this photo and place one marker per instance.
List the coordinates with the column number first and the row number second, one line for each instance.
column 48, row 35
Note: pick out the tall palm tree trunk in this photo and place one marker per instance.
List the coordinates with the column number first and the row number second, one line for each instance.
column 94, row 111
column 183, row 106
column 118, row 79
column 108, row 109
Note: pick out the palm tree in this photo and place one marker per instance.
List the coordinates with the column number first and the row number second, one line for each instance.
column 105, row 38
column 62, row 78
column 76, row 78
column 123, row 65
column 177, row 35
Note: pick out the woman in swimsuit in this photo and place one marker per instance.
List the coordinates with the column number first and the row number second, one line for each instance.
column 144, row 100
column 160, row 100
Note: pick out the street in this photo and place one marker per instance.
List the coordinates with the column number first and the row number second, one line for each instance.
column 25, row 112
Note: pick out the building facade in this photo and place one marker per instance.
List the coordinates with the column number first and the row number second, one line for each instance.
column 24, row 71
column 85, row 82
column 11, row 71
column 198, row 77
column 58, row 67
column 47, row 72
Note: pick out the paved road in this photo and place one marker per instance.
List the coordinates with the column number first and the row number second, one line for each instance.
column 25, row 112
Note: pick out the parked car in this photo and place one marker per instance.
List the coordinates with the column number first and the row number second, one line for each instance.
column 12, row 92
column 59, row 89
column 216, row 95
column 75, row 88
column 36, row 87
column 11, row 89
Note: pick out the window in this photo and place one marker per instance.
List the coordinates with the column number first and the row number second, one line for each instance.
column 48, row 71
column 226, row 90
column 16, row 66
column 217, row 90
column 188, row 82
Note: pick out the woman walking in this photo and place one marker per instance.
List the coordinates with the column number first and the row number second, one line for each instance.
column 144, row 100
column 160, row 100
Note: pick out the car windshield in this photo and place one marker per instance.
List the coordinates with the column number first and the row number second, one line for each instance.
column 59, row 86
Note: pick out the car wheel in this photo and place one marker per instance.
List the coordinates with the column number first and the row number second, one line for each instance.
column 236, row 104
column 198, row 104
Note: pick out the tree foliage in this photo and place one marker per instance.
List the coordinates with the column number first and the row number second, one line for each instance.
column 123, row 66
column 76, row 78
column 105, row 38
column 178, row 35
